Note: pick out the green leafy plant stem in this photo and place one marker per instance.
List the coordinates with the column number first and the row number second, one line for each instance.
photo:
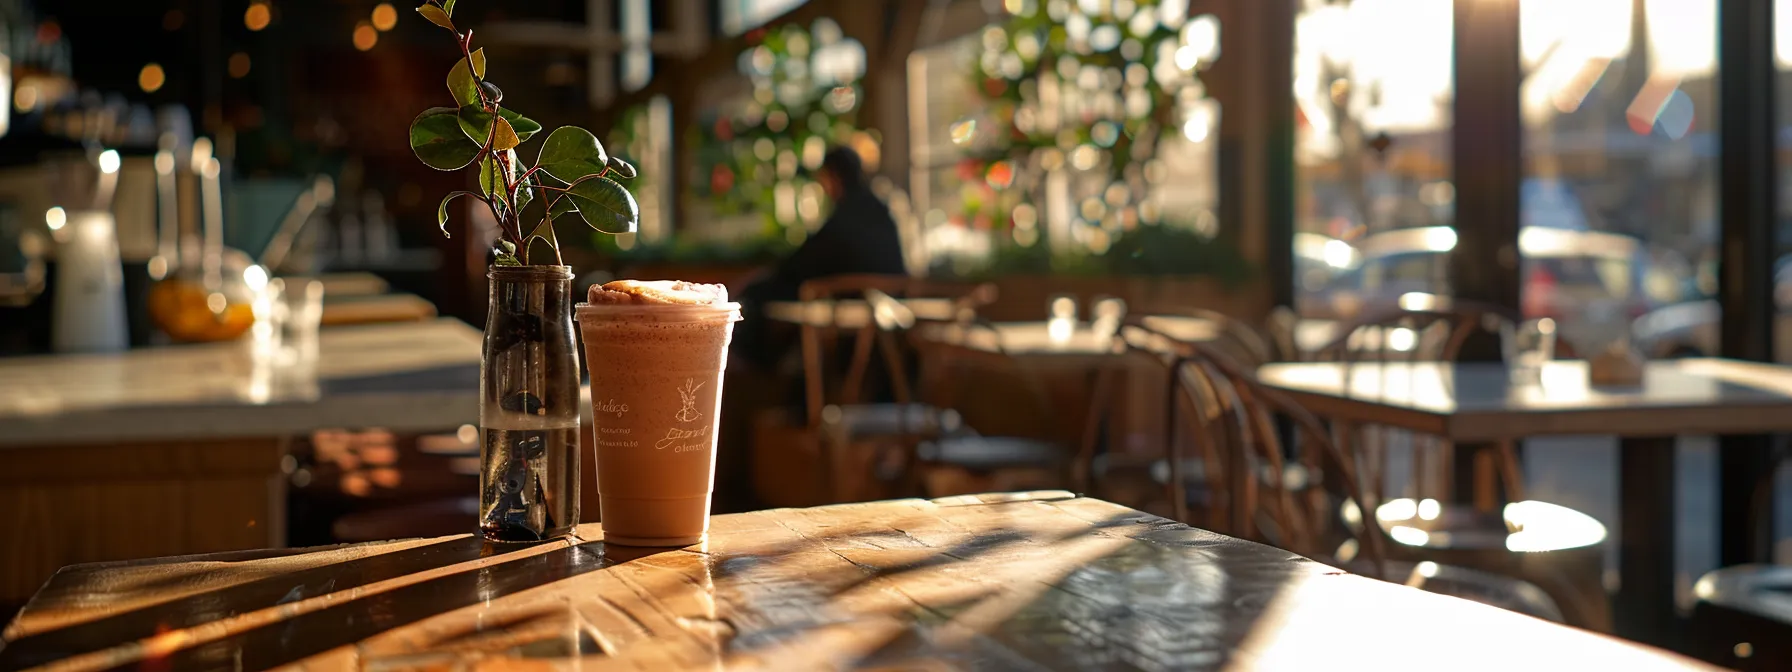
column 479, row 131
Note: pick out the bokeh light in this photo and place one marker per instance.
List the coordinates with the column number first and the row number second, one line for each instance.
column 239, row 65
column 365, row 36
column 151, row 78
column 257, row 16
column 384, row 17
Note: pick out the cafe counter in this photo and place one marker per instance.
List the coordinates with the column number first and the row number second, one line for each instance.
column 178, row 450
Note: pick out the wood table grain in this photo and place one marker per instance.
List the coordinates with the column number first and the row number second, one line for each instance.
column 1042, row 580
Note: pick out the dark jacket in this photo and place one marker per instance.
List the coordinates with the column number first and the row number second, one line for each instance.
column 860, row 237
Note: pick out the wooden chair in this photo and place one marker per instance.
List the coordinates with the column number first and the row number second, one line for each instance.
column 961, row 458
column 1741, row 619
column 1434, row 334
column 1305, row 522
column 1555, row 549
column 1280, row 326
column 1201, row 481
column 847, row 420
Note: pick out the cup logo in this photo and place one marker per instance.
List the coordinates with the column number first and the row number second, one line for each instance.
column 688, row 412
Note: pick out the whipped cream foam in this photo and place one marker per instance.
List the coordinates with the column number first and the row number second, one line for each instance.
column 660, row 292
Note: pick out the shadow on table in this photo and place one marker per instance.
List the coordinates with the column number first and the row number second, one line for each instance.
column 1129, row 590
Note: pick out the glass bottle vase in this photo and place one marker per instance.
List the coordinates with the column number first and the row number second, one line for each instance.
column 529, row 407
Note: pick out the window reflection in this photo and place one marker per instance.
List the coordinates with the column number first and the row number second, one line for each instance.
column 1620, row 113
column 1372, row 90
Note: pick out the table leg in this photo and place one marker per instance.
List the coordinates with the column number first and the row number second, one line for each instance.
column 1644, row 605
column 1745, row 505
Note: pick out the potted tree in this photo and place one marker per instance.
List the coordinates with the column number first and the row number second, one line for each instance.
column 529, row 376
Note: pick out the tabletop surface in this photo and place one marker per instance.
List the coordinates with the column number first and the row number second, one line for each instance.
column 414, row 375
column 1069, row 337
column 1688, row 395
column 1042, row 580
column 850, row 313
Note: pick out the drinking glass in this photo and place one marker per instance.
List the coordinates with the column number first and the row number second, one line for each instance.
column 1528, row 346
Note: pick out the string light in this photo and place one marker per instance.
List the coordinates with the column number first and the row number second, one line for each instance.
column 239, row 65
column 151, row 78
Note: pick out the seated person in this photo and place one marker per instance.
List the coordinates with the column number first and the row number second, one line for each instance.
column 858, row 237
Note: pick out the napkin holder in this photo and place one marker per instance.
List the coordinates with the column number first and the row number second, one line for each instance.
column 1617, row 366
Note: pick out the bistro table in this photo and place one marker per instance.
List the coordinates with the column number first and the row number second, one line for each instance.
column 1476, row 403
column 851, row 313
column 1069, row 338
column 1041, row 580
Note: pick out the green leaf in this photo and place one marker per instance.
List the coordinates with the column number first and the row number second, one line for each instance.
column 448, row 7
column 523, row 126
column 571, row 153
column 436, row 16
column 491, row 177
column 475, row 122
column 488, row 172
column 605, row 205
column 506, row 253
column 621, row 168
column 438, row 141
column 442, row 210
column 463, row 81
column 525, row 192
column 504, row 138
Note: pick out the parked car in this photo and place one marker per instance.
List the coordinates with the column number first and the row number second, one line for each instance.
column 1318, row 261
column 1590, row 282
column 1690, row 328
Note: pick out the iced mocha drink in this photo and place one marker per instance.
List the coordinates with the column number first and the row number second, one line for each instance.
column 656, row 351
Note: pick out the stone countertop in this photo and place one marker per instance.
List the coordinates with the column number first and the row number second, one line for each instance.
column 405, row 377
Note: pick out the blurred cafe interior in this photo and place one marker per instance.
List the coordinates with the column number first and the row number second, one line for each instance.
column 1480, row 299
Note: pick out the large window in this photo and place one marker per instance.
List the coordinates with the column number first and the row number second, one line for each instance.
column 739, row 16
column 1069, row 138
column 1619, row 206
column 1373, row 196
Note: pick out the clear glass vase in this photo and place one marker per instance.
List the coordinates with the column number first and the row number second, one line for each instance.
column 529, row 412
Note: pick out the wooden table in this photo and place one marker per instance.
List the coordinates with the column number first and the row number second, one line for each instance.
column 1043, row 580
column 375, row 309
column 1476, row 403
column 1072, row 338
column 851, row 313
